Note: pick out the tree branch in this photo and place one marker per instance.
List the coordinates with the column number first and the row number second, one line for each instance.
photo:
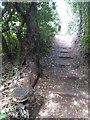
column 20, row 11
column 4, row 10
column 5, row 47
column 7, row 28
column 31, row 7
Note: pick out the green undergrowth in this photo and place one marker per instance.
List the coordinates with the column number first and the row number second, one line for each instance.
column 85, row 43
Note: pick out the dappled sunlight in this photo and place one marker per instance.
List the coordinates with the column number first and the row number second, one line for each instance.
column 53, row 107
column 80, row 107
column 85, row 94
column 77, row 73
column 60, row 106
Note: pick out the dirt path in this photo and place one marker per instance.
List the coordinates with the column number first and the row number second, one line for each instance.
column 64, row 83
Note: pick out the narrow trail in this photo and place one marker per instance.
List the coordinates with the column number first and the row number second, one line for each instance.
column 64, row 83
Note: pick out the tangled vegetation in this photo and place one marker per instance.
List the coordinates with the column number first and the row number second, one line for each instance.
column 82, row 23
column 28, row 30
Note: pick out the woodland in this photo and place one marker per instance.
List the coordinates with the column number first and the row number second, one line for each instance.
column 28, row 31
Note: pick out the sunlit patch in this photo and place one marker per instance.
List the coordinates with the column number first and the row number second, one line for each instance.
column 1, row 5
column 54, row 106
column 38, row 86
column 85, row 94
column 85, row 112
column 51, row 95
column 11, row 90
column 75, row 103
column 43, row 113
column 50, row 108
column 65, row 15
column 21, row 79
column 80, row 106
column 1, row 88
column 15, row 81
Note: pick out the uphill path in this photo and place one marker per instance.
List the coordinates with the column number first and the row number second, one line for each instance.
column 65, row 81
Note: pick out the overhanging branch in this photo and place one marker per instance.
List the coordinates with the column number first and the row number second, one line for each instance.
column 7, row 28
column 4, row 10
column 31, row 7
column 23, row 15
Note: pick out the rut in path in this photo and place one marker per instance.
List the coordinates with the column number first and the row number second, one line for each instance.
column 64, row 83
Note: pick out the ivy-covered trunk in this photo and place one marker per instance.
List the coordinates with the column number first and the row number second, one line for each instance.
column 5, row 47
column 88, row 18
column 88, row 11
column 80, row 14
column 33, row 37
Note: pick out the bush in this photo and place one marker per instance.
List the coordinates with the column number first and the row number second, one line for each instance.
column 85, row 43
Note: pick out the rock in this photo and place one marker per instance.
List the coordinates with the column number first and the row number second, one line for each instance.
column 20, row 94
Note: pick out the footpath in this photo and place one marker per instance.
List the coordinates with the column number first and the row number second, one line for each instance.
column 64, row 83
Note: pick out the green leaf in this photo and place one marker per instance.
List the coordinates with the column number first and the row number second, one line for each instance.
column 1, row 79
column 3, row 116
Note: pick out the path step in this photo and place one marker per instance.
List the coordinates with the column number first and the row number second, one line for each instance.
column 70, row 94
column 64, row 75
column 63, row 55
column 65, row 62
column 68, row 76
column 64, row 65
column 63, row 50
column 73, row 77
column 66, row 55
column 66, row 48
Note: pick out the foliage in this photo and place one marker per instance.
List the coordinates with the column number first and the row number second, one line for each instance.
column 13, row 70
column 15, row 35
column 28, row 29
column 71, row 26
column 3, row 116
column 0, row 48
column 82, row 10
column 85, row 42
column 1, row 79
column 9, row 70
column 46, row 30
column 74, row 6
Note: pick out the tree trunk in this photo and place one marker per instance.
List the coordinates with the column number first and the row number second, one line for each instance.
column 5, row 47
column 80, row 24
column 88, row 18
column 37, row 45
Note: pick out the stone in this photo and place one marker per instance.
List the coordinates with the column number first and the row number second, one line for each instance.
column 20, row 94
